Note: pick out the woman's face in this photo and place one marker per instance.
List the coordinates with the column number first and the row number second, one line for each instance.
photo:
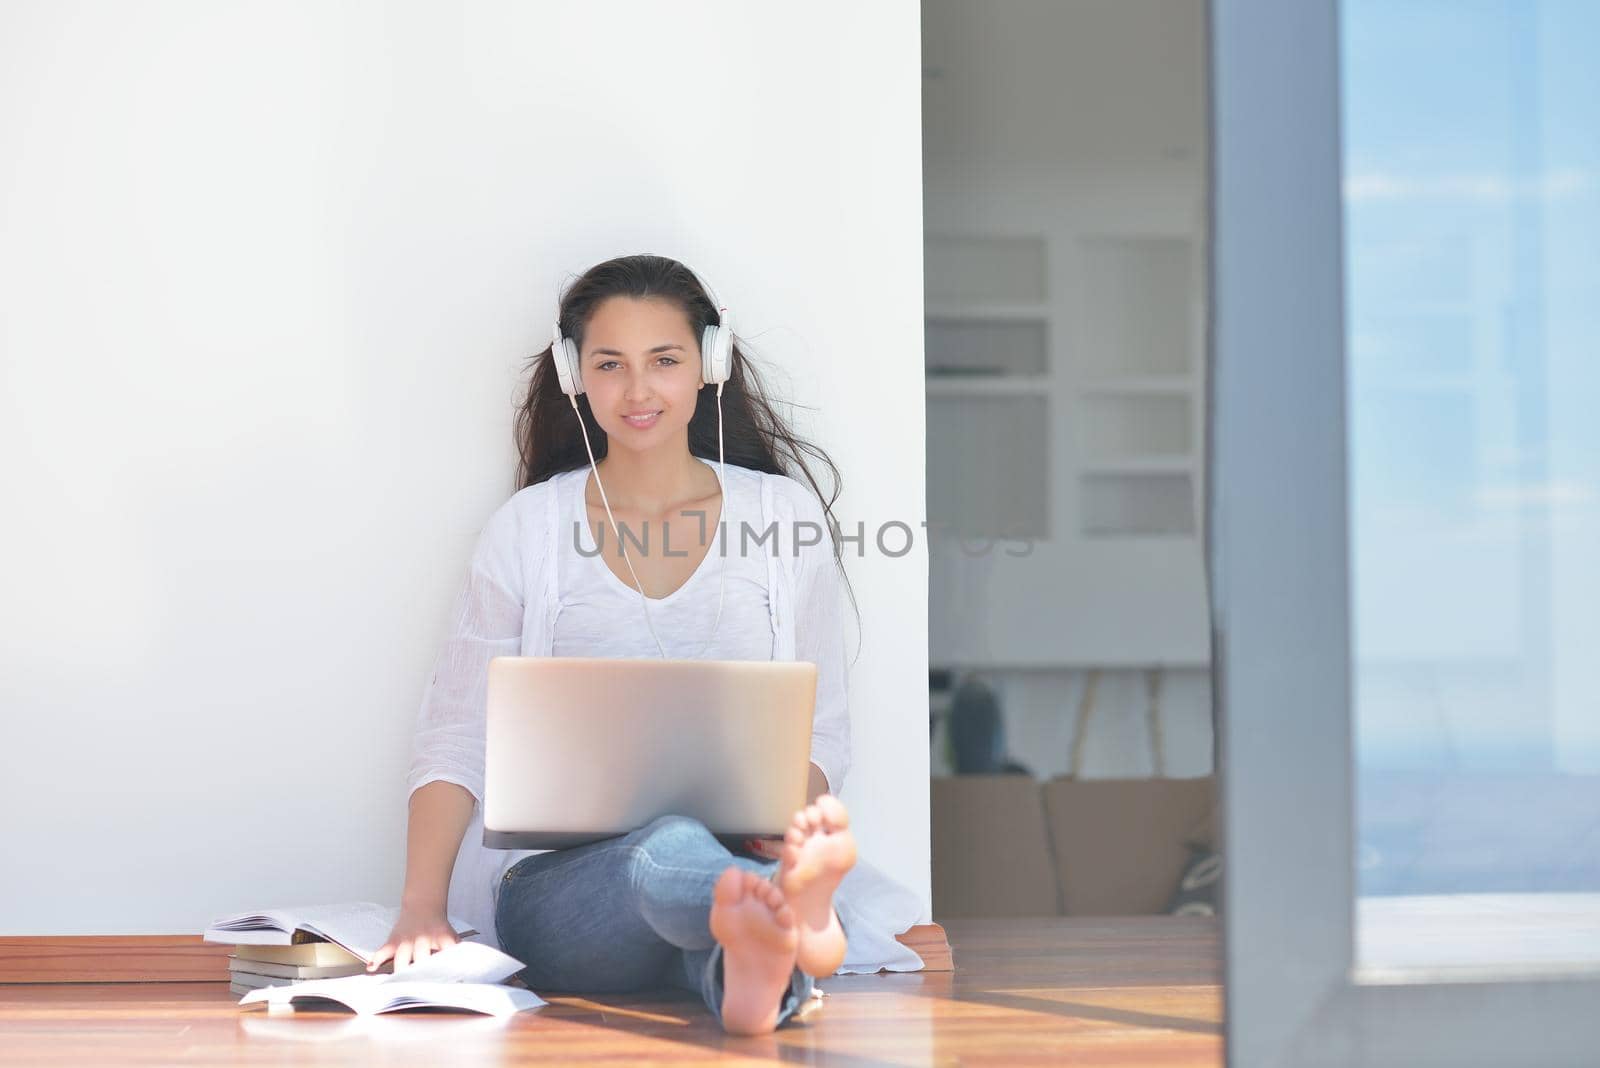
column 641, row 371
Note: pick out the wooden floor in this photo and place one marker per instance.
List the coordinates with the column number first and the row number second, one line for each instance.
column 1085, row 991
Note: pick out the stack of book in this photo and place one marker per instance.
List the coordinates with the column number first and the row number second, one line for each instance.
column 277, row 947
column 251, row 967
column 468, row 976
column 319, row 953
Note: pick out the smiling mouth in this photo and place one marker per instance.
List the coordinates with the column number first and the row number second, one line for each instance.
column 641, row 420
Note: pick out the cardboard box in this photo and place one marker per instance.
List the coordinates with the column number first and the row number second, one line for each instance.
column 1120, row 844
column 991, row 848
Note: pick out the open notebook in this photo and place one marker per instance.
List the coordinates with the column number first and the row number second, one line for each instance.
column 467, row 975
column 360, row 927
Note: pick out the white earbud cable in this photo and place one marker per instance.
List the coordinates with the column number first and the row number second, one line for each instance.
column 644, row 602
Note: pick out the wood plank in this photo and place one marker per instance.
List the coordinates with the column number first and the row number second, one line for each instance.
column 187, row 959
column 112, row 959
column 1080, row 990
column 928, row 941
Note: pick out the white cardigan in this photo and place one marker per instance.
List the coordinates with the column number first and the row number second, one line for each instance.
column 508, row 608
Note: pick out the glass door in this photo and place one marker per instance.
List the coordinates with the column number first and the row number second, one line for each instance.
column 1404, row 528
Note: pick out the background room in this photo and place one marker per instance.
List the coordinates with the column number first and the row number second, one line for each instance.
column 1065, row 246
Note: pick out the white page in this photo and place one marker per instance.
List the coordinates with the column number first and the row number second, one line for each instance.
column 464, row 962
column 346, row 990
column 259, row 937
column 370, row 994
column 456, row 975
column 487, row 998
column 362, row 927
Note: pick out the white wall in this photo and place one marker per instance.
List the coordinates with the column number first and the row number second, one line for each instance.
column 270, row 274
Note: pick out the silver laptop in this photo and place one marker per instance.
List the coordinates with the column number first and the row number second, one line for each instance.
column 579, row 749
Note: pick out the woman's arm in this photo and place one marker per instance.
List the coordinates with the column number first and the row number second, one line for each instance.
column 816, row 784
column 820, row 638
column 439, row 812
column 438, row 817
column 445, row 782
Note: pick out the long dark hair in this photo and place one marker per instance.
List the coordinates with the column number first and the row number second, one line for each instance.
column 754, row 435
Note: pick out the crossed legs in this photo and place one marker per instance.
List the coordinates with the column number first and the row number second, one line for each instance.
column 668, row 903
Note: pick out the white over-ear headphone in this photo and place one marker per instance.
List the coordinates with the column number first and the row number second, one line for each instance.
column 716, row 354
column 716, row 363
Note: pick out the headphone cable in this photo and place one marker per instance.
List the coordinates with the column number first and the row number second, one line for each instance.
column 644, row 602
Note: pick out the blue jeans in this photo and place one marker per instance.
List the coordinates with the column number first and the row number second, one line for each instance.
column 626, row 914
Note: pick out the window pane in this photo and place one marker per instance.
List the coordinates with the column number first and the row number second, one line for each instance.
column 1472, row 257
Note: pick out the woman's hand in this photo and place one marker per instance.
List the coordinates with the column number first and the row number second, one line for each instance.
column 770, row 848
column 418, row 932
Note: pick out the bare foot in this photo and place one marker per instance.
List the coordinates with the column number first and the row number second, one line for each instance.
column 756, row 929
column 818, row 849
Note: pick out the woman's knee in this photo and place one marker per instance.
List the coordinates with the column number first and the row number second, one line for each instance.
column 667, row 833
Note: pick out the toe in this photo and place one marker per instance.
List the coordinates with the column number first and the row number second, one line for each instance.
column 730, row 887
column 834, row 814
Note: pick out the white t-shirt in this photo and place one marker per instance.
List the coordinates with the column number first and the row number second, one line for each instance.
column 601, row 615
column 528, row 592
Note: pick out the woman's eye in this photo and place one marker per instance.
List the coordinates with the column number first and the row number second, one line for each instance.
column 607, row 364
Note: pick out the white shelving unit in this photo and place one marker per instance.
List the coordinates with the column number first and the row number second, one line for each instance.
column 1137, row 387
column 998, row 386
column 1144, row 386
column 1134, row 466
column 990, row 379
column 1065, row 405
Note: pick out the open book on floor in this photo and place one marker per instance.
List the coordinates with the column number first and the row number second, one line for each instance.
column 467, row 975
column 360, row 927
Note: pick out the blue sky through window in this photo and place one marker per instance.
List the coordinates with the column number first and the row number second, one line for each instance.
column 1472, row 265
